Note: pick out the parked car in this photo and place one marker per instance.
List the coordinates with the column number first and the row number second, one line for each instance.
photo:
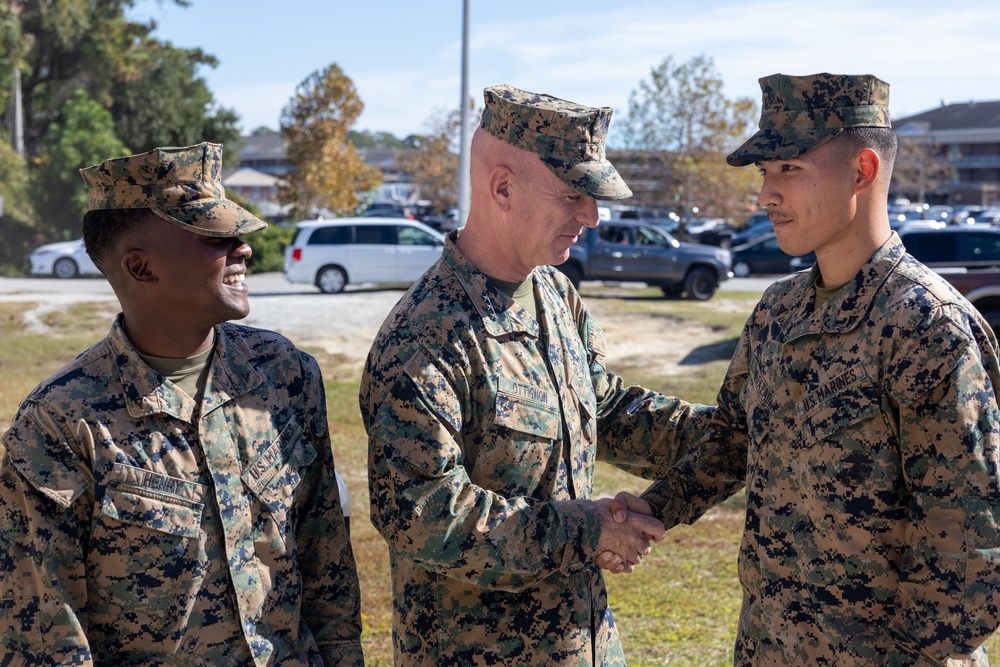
column 763, row 256
column 981, row 287
column 939, row 212
column 921, row 224
column 753, row 232
column 624, row 250
column 966, row 214
column 334, row 253
column 708, row 231
column 990, row 216
column 67, row 259
column 964, row 246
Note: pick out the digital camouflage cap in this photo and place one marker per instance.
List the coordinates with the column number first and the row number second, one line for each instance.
column 181, row 185
column 800, row 113
column 568, row 137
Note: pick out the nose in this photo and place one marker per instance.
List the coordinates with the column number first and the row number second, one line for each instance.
column 768, row 195
column 240, row 248
column 588, row 212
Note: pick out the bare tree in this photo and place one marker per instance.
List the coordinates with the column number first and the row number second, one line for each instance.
column 921, row 167
column 433, row 161
column 682, row 116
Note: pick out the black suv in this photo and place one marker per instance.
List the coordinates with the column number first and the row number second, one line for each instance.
column 966, row 246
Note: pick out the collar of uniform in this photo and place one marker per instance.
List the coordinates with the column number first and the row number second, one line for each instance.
column 850, row 305
column 232, row 373
column 146, row 393
column 500, row 314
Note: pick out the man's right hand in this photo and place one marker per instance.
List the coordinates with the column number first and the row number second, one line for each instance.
column 627, row 532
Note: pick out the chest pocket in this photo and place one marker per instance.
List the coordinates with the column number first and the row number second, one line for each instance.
column 153, row 501
column 841, row 402
column 527, row 409
column 514, row 456
column 846, row 454
column 149, row 545
column 275, row 475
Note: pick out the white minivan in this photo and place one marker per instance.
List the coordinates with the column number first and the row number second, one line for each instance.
column 332, row 253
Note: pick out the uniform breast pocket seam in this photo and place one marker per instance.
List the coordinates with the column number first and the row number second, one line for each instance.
column 508, row 416
column 280, row 453
column 132, row 505
column 863, row 390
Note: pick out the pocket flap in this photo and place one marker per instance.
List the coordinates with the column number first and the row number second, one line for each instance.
column 527, row 409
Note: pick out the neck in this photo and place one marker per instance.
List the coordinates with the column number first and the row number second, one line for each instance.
column 159, row 339
column 486, row 250
column 840, row 261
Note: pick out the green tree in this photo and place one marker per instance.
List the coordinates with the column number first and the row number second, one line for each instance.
column 17, row 223
column 330, row 174
column 369, row 139
column 167, row 104
column 681, row 114
column 85, row 137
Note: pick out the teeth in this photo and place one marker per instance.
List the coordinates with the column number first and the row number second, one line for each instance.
column 234, row 279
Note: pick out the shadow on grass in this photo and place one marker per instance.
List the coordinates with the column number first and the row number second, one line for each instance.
column 721, row 351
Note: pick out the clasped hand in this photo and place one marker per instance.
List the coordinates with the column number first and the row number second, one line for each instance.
column 628, row 531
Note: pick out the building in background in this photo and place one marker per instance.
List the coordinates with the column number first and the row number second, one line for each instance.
column 966, row 138
column 264, row 162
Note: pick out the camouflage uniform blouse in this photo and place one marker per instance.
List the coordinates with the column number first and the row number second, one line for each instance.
column 872, row 472
column 135, row 531
column 484, row 424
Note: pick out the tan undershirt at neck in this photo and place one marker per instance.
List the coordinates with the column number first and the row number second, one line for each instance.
column 521, row 292
column 190, row 374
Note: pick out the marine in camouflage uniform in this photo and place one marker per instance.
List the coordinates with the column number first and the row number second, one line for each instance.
column 866, row 431
column 139, row 526
column 485, row 420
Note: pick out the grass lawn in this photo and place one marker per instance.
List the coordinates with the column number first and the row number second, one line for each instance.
column 680, row 608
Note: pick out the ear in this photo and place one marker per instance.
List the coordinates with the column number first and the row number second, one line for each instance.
column 867, row 166
column 501, row 186
column 136, row 267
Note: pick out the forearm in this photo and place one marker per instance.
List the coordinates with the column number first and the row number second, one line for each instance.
column 644, row 432
column 447, row 524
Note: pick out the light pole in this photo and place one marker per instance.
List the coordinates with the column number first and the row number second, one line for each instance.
column 17, row 120
column 463, row 151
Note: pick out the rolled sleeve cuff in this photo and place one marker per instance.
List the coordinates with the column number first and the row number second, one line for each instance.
column 583, row 533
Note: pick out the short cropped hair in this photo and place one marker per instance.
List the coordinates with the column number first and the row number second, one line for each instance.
column 882, row 140
column 104, row 229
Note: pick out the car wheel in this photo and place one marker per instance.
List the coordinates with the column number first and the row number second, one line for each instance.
column 700, row 284
column 573, row 273
column 331, row 279
column 671, row 291
column 741, row 269
column 65, row 268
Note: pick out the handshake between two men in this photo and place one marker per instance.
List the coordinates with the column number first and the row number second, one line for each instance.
column 628, row 532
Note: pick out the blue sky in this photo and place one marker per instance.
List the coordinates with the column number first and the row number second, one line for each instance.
column 405, row 56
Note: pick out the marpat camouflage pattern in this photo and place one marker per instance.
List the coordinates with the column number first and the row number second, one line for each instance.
column 484, row 424
column 139, row 528
column 181, row 185
column 800, row 113
column 568, row 137
column 872, row 472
